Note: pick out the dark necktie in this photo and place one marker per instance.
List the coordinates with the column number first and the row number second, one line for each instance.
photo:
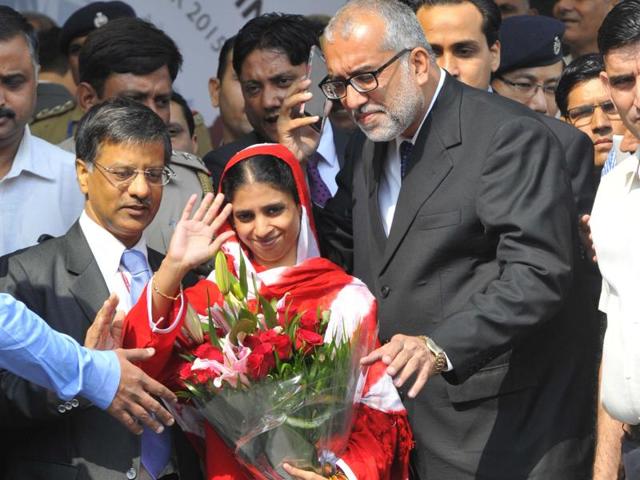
column 405, row 152
column 320, row 193
column 156, row 447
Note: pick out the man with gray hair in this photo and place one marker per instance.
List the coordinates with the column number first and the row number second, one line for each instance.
column 122, row 151
column 464, row 229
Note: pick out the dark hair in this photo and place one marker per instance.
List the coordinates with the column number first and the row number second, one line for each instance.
column 51, row 58
column 620, row 27
column 126, row 45
column 39, row 21
column 12, row 24
column 491, row 16
column 119, row 121
column 586, row 67
column 186, row 111
column 223, row 58
column 291, row 34
column 260, row 169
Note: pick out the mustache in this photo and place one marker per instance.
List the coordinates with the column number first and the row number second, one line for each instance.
column 7, row 112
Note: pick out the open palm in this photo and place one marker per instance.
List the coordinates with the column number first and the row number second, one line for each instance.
column 195, row 238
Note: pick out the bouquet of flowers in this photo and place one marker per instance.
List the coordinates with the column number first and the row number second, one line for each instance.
column 276, row 384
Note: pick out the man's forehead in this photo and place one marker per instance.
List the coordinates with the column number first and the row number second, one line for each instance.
column 623, row 58
column 117, row 83
column 269, row 62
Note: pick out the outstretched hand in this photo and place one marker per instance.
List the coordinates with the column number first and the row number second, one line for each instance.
column 405, row 357
column 105, row 333
column 134, row 403
column 295, row 132
column 301, row 474
column 194, row 240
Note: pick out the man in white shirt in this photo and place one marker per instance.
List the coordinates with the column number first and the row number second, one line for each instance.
column 123, row 149
column 38, row 189
column 615, row 230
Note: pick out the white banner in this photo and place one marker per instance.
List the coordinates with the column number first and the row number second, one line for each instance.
column 199, row 28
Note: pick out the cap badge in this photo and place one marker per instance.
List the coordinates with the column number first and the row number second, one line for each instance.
column 556, row 45
column 100, row 20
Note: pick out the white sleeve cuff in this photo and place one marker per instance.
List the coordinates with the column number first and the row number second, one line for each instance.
column 346, row 470
column 153, row 325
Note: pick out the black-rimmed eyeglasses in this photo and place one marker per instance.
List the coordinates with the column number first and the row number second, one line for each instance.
column 362, row 82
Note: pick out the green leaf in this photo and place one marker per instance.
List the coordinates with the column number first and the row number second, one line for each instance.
column 244, row 287
column 245, row 325
column 270, row 315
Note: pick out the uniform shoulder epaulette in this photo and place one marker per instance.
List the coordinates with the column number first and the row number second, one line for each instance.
column 56, row 110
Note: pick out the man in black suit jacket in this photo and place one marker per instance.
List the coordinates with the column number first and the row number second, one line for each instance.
column 122, row 148
column 470, row 254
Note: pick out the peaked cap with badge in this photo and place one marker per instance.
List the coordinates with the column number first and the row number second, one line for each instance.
column 529, row 41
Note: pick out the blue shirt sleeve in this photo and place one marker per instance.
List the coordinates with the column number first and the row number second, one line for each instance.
column 31, row 349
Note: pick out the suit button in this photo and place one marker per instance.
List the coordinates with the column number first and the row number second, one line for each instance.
column 75, row 403
column 67, row 406
column 61, row 409
column 131, row 473
column 384, row 291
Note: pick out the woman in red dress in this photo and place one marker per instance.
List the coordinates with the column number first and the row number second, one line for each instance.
column 271, row 227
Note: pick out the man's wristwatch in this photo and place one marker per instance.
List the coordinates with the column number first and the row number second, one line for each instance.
column 440, row 362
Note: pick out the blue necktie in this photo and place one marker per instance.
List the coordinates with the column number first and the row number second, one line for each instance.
column 156, row 448
column 320, row 193
column 405, row 153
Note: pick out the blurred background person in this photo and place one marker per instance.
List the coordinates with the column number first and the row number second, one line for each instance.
column 582, row 18
column 182, row 126
column 585, row 103
column 511, row 8
column 530, row 62
column 57, row 124
column 226, row 95
column 463, row 35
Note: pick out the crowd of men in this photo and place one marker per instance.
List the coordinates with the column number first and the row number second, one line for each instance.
column 477, row 170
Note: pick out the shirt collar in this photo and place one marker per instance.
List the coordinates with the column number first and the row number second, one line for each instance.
column 401, row 139
column 107, row 249
column 327, row 147
column 26, row 161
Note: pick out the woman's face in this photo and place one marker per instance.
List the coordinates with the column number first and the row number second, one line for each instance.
column 267, row 221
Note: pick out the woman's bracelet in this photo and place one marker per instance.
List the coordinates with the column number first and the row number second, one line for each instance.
column 164, row 295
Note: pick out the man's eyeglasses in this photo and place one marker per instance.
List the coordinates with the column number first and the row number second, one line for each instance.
column 122, row 177
column 581, row 116
column 362, row 82
column 529, row 89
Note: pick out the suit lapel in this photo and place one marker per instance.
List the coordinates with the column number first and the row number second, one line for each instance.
column 87, row 286
column 377, row 152
column 429, row 164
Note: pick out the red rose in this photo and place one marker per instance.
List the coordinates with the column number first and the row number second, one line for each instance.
column 251, row 341
column 282, row 346
column 184, row 372
column 208, row 351
column 306, row 340
column 260, row 361
column 309, row 321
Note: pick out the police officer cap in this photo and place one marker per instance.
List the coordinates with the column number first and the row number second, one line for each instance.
column 90, row 17
column 529, row 41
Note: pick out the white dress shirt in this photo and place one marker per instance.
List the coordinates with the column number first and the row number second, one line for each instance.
column 38, row 195
column 329, row 166
column 390, row 180
column 108, row 250
column 615, row 227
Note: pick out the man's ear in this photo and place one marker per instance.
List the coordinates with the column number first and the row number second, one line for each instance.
column 82, row 174
column 604, row 78
column 421, row 62
column 87, row 96
column 494, row 51
column 214, row 91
